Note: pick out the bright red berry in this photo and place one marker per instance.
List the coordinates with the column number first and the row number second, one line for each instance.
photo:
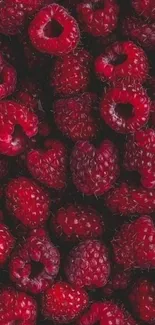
column 54, row 160
column 74, row 117
column 6, row 243
column 122, row 60
column 54, row 31
column 62, row 303
column 27, row 201
column 8, row 77
column 17, row 307
column 99, row 18
column 140, row 31
column 76, row 222
column 145, row 8
column 133, row 245
column 94, row 170
column 106, row 313
column 142, row 299
column 13, row 138
column 128, row 200
column 125, row 108
column 71, row 73
column 88, row 265
column 37, row 249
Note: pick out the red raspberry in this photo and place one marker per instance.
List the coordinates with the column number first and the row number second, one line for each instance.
column 62, row 303
column 134, row 244
column 140, row 31
column 140, row 156
column 28, row 6
column 142, row 299
column 55, row 165
column 88, row 265
column 27, row 201
column 54, row 31
column 125, row 108
column 74, row 117
column 37, row 249
column 4, row 166
column 145, row 8
column 122, row 60
column 128, row 200
column 119, row 280
column 6, row 243
column 106, row 313
column 77, row 222
column 11, row 19
column 12, row 139
column 8, row 81
column 17, row 308
column 28, row 94
column 71, row 73
column 94, row 170
column 98, row 17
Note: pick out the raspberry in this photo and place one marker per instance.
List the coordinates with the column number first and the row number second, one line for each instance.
column 55, row 164
column 28, row 94
column 88, row 265
column 74, row 117
column 119, row 280
column 128, row 200
column 62, row 303
column 142, row 299
column 106, row 313
column 17, row 307
column 27, row 201
column 125, row 108
column 133, row 245
column 11, row 19
column 36, row 249
column 140, row 155
column 122, row 60
column 145, row 8
column 6, row 243
column 77, row 222
column 12, row 139
column 28, row 6
column 99, row 18
column 143, row 32
column 94, row 170
column 54, row 31
column 71, row 73
column 9, row 78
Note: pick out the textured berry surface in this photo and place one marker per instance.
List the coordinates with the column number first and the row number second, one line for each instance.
column 75, row 222
column 140, row 31
column 71, row 73
column 27, row 201
column 54, row 161
column 145, row 8
column 62, row 303
column 47, row 38
column 6, row 243
column 13, row 116
column 88, row 265
column 122, row 60
column 133, row 245
column 17, row 307
column 101, row 21
column 125, row 108
column 74, row 117
column 142, row 299
column 11, row 19
column 94, row 171
column 128, row 200
column 106, row 313
column 39, row 249
column 9, row 78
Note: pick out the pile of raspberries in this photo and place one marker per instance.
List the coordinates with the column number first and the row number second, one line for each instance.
column 77, row 162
